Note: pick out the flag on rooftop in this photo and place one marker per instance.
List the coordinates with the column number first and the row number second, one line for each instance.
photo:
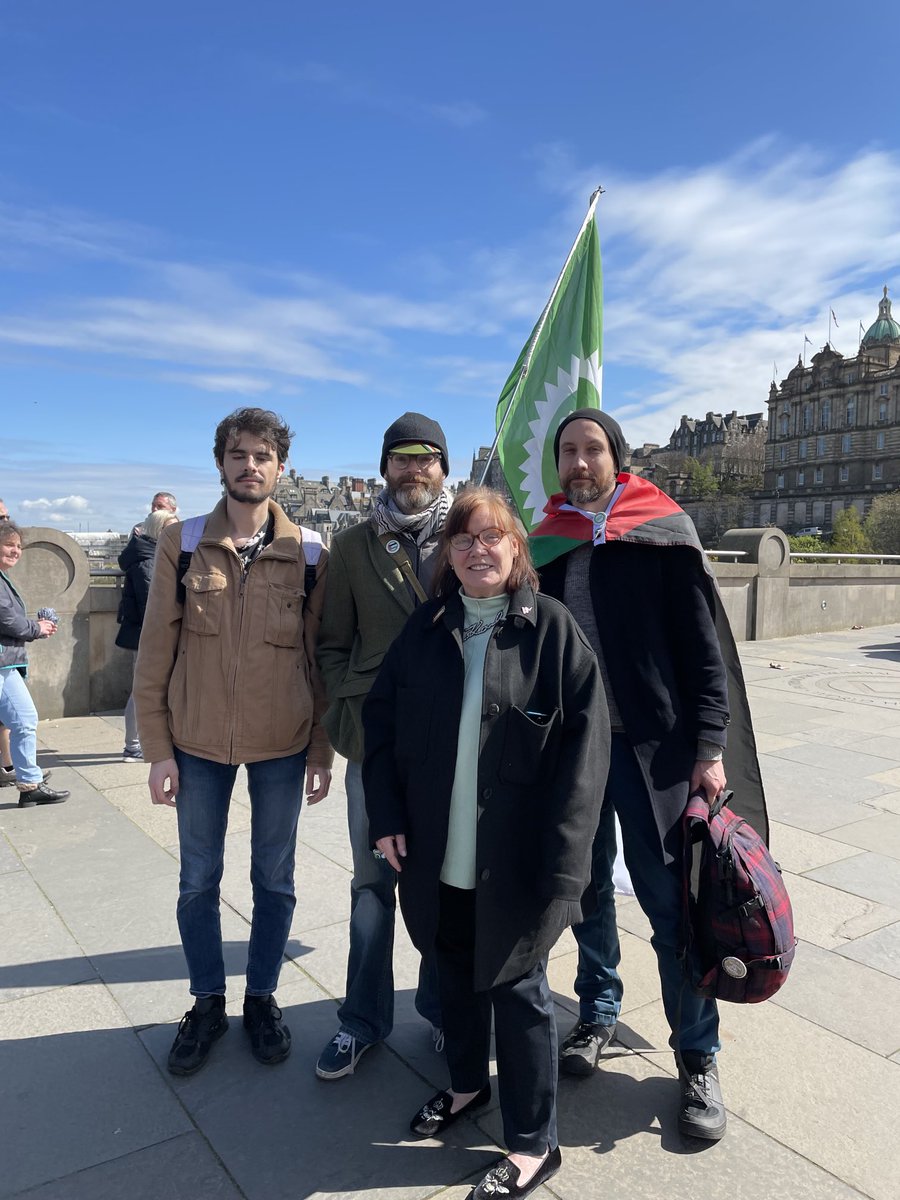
column 558, row 371
column 834, row 318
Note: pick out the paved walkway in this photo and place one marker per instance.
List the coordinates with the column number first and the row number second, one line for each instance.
column 92, row 986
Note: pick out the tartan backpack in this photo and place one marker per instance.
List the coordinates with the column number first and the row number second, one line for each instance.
column 738, row 925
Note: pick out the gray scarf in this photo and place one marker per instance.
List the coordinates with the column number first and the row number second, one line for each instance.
column 388, row 518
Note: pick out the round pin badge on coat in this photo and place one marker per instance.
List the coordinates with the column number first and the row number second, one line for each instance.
column 734, row 967
column 392, row 546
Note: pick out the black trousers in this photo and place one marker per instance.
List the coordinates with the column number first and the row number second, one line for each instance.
column 524, row 1030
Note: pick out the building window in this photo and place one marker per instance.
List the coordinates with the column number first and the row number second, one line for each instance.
column 851, row 378
column 806, row 417
column 882, row 411
column 801, row 451
column 784, row 426
column 846, row 442
column 883, row 389
column 851, row 410
column 825, row 415
column 876, row 470
column 818, row 475
column 845, row 474
column 779, row 481
column 782, row 453
column 801, row 478
column 879, row 440
column 820, row 446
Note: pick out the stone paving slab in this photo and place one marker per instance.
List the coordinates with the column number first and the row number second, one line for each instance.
column 78, row 1087
column 182, row 1168
column 810, row 1078
column 880, row 950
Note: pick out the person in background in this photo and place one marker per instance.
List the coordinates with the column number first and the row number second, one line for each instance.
column 136, row 560
column 487, row 741
column 17, row 711
column 161, row 502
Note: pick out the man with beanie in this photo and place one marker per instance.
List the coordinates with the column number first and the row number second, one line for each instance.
column 627, row 562
column 379, row 572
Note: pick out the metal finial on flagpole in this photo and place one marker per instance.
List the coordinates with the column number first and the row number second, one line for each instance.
column 538, row 330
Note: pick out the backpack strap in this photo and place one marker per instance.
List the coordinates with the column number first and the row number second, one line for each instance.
column 394, row 548
column 312, row 553
column 191, row 533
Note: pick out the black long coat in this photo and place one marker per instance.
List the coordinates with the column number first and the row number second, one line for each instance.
column 136, row 560
column 656, row 612
column 540, row 779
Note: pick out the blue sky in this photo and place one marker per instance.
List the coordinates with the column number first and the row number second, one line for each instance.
column 344, row 214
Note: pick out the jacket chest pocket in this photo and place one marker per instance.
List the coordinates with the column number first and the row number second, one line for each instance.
column 529, row 744
column 204, row 601
column 284, row 612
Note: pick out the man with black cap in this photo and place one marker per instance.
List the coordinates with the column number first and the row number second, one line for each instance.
column 379, row 571
column 627, row 562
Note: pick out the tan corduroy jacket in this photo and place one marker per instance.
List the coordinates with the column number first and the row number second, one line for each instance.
column 230, row 674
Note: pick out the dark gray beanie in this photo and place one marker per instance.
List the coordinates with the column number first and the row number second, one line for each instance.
column 414, row 427
column 610, row 427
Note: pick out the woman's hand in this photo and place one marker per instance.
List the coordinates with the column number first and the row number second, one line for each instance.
column 393, row 848
column 47, row 628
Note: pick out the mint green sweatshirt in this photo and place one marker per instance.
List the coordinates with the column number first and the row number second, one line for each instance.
column 459, row 858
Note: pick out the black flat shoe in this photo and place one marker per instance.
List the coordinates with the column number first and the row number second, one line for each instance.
column 503, row 1179
column 41, row 795
column 435, row 1116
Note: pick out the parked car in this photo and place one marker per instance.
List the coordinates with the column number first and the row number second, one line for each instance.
column 810, row 531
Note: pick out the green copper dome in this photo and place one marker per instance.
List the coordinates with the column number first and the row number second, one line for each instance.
column 885, row 328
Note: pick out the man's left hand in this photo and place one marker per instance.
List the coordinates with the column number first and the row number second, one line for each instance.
column 318, row 781
column 708, row 777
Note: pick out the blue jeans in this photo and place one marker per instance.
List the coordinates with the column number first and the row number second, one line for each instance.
column 204, row 796
column 694, row 1021
column 368, row 1009
column 18, row 714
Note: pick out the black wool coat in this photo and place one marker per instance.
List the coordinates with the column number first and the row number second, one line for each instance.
column 543, row 762
column 655, row 608
column 136, row 560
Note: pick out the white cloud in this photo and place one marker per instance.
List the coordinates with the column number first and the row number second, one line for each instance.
column 74, row 504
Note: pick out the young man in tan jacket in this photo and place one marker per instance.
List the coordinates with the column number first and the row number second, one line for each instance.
column 226, row 674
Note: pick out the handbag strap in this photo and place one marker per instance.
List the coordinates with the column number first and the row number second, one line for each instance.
column 394, row 548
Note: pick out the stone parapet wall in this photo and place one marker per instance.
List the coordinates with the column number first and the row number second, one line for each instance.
column 81, row 670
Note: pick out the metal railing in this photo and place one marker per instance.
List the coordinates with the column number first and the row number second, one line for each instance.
column 725, row 553
column 875, row 559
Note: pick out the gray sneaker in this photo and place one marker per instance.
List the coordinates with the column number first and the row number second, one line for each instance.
column 702, row 1112
column 340, row 1056
column 581, row 1050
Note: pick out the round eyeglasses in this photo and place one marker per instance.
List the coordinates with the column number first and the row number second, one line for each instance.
column 488, row 537
column 421, row 460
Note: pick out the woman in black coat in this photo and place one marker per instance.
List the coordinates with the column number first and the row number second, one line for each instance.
column 136, row 560
column 487, row 745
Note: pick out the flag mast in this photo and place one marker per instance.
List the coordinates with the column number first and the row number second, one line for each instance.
column 538, row 329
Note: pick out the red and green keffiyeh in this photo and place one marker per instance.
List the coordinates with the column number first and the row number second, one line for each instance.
column 640, row 513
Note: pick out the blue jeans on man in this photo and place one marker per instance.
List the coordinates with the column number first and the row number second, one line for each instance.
column 204, row 795
column 694, row 1020
column 368, row 1008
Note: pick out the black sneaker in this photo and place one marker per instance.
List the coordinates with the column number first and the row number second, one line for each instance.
column 270, row 1038
column 199, row 1029
column 581, row 1050
column 40, row 795
column 702, row 1113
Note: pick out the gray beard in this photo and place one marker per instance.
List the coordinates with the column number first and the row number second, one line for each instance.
column 416, row 498
column 581, row 491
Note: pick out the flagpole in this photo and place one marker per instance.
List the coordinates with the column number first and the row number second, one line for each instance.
column 538, row 329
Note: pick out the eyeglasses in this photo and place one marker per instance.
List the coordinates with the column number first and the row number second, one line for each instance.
column 488, row 537
column 4, row 517
column 420, row 460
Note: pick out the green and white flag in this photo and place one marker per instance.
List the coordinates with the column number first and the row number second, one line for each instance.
column 558, row 371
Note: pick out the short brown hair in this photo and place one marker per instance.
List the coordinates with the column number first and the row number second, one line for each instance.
column 465, row 504
column 262, row 423
column 8, row 531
